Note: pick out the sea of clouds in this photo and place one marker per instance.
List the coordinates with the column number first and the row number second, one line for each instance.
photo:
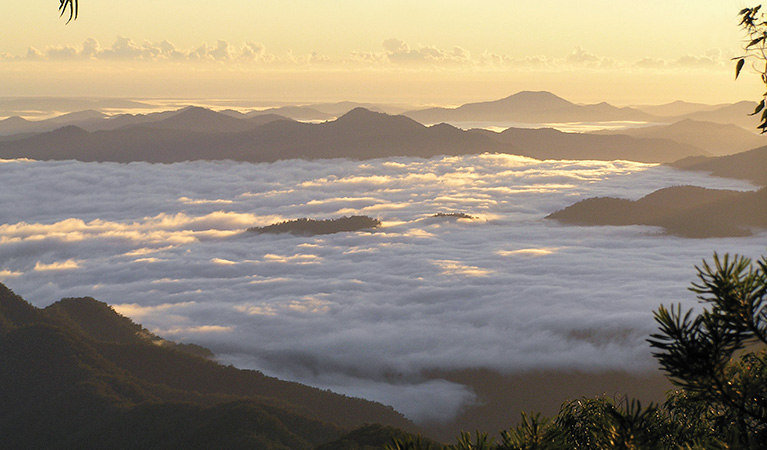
column 361, row 313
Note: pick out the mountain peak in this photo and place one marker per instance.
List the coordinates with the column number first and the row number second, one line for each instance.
column 361, row 117
column 14, row 310
column 361, row 113
column 197, row 118
column 96, row 319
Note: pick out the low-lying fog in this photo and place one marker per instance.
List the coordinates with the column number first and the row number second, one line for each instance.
column 360, row 313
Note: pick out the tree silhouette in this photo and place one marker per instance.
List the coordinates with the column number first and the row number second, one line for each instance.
column 719, row 356
column 754, row 24
column 68, row 6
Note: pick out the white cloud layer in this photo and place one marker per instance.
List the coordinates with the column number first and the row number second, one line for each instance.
column 362, row 313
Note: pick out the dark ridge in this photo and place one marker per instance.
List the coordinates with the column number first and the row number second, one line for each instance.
column 548, row 143
column 310, row 227
column 360, row 134
column 15, row 311
column 197, row 119
column 750, row 165
column 67, row 383
column 95, row 319
column 686, row 211
column 529, row 106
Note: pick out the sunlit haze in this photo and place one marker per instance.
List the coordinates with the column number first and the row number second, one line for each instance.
column 426, row 52
column 533, row 179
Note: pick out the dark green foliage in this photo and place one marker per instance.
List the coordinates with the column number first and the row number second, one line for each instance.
column 78, row 375
column 310, row 227
column 377, row 437
column 719, row 356
column 533, row 433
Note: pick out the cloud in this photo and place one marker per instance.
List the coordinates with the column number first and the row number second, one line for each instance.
column 712, row 59
column 126, row 49
column 508, row 291
column 392, row 53
column 58, row 265
column 581, row 57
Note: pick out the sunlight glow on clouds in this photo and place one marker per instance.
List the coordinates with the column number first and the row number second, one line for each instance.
column 393, row 52
column 505, row 290
column 59, row 265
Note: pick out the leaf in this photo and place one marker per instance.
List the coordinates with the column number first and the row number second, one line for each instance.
column 739, row 67
column 755, row 41
column 759, row 107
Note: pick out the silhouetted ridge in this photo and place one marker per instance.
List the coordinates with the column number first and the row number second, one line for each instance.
column 750, row 165
column 534, row 100
column 360, row 134
column 531, row 107
column 96, row 319
column 687, row 211
column 548, row 143
column 198, row 119
column 14, row 310
column 362, row 118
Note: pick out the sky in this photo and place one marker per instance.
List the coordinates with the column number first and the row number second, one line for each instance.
column 396, row 51
column 365, row 314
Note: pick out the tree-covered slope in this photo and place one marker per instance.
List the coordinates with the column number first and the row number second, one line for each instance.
column 79, row 375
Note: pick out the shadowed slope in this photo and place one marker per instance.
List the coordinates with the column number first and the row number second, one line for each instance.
column 750, row 165
column 66, row 382
column 717, row 139
column 548, row 143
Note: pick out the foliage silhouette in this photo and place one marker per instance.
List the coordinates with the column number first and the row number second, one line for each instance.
column 753, row 23
column 69, row 6
column 718, row 359
column 310, row 227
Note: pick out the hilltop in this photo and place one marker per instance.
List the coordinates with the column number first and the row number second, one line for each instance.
column 530, row 107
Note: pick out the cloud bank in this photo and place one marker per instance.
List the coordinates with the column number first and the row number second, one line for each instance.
column 362, row 313
column 394, row 52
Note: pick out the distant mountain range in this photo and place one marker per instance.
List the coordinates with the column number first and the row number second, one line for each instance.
column 548, row 143
column 359, row 134
column 715, row 138
column 524, row 107
column 268, row 135
column 530, row 107
column 78, row 375
column 197, row 133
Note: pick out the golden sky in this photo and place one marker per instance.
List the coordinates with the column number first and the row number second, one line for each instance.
column 415, row 52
